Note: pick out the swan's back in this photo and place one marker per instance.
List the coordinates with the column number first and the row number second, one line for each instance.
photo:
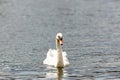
column 51, row 57
column 65, row 59
column 52, row 60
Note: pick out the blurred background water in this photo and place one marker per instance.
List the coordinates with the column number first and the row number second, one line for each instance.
column 91, row 30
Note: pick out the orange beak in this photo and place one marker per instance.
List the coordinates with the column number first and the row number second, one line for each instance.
column 61, row 42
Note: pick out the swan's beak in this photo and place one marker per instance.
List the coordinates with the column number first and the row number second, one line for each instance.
column 61, row 42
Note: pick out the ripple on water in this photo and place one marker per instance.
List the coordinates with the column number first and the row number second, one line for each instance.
column 22, row 75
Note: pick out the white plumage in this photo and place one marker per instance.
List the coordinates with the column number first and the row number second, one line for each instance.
column 57, row 58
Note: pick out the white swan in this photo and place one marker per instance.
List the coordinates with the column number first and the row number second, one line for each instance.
column 57, row 58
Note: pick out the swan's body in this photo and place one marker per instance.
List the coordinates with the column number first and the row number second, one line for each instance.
column 57, row 58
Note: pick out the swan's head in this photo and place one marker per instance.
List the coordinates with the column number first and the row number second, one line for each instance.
column 59, row 38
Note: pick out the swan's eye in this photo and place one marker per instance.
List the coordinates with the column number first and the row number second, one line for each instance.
column 60, row 38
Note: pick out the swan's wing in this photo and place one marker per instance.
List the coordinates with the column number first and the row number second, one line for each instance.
column 65, row 59
column 51, row 57
column 51, row 53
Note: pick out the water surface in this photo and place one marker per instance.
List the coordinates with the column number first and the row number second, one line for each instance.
column 91, row 39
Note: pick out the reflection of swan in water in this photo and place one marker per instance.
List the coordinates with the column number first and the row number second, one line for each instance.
column 58, row 75
column 57, row 58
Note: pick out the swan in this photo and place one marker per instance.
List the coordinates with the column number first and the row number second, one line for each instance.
column 58, row 57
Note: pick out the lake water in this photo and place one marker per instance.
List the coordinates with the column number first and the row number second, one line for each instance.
column 91, row 30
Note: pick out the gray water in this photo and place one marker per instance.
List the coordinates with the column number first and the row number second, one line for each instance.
column 91, row 30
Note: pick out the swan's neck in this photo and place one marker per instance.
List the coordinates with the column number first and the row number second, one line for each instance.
column 59, row 55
